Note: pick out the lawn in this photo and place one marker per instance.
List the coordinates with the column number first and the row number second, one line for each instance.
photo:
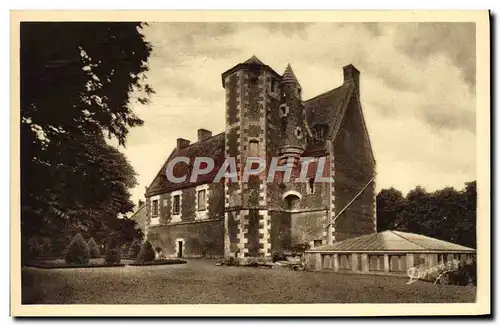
column 202, row 282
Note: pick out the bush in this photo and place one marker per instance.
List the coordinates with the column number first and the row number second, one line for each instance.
column 94, row 249
column 30, row 249
column 134, row 249
column 78, row 251
column 147, row 254
column 113, row 253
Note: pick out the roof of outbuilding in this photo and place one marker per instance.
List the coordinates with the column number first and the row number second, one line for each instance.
column 396, row 241
column 213, row 147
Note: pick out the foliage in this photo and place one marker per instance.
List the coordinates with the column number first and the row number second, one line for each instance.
column 146, row 254
column 158, row 249
column 30, row 249
column 447, row 214
column 77, row 81
column 94, row 249
column 78, row 251
column 113, row 254
column 134, row 249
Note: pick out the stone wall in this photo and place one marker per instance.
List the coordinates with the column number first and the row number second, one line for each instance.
column 353, row 170
column 205, row 238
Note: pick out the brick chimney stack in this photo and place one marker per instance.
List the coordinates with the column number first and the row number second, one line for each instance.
column 182, row 143
column 204, row 134
column 351, row 73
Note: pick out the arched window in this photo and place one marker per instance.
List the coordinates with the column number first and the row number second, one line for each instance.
column 292, row 201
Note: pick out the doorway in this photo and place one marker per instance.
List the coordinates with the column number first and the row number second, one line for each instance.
column 180, row 246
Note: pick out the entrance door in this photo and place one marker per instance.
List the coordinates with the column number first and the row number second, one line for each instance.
column 180, row 244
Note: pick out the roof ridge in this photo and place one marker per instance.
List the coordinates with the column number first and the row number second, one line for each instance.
column 343, row 110
column 324, row 93
column 201, row 141
column 399, row 235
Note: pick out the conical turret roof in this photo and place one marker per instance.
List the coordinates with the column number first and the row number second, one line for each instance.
column 289, row 76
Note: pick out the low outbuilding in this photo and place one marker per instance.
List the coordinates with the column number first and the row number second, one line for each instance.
column 388, row 252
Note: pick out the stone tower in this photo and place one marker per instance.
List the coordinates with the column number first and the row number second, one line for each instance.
column 292, row 118
column 250, row 88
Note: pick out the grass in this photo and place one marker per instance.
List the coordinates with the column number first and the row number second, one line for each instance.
column 159, row 262
column 61, row 263
column 201, row 282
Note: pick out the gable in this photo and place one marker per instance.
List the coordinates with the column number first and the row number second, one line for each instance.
column 213, row 147
column 326, row 111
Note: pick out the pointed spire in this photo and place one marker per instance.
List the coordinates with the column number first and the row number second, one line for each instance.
column 289, row 76
column 254, row 60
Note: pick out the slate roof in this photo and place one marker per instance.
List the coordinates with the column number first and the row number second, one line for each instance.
column 327, row 109
column 289, row 76
column 212, row 147
column 395, row 241
column 254, row 60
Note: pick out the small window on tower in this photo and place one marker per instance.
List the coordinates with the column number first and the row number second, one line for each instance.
column 298, row 133
column 253, row 148
column 310, row 186
column 283, row 110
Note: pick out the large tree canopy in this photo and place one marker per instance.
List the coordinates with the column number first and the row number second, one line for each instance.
column 77, row 81
column 446, row 214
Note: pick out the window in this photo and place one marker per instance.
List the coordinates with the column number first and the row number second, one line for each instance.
column 317, row 243
column 154, row 208
column 397, row 263
column 202, row 200
column 292, row 202
column 344, row 261
column 176, row 205
column 376, row 262
column 310, row 186
column 253, row 150
column 298, row 132
column 283, row 110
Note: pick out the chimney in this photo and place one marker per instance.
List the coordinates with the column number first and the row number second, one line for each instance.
column 182, row 143
column 204, row 134
column 141, row 202
column 351, row 73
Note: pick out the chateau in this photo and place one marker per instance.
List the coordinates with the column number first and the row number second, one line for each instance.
column 266, row 117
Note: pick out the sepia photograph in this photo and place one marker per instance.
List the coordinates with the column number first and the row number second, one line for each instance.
column 290, row 160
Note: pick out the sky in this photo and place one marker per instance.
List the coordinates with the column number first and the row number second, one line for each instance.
column 417, row 88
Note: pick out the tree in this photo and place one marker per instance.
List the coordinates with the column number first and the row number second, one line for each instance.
column 94, row 249
column 134, row 249
column 113, row 254
column 77, row 81
column 78, row 251
column 147, row 253
column 390, row 203
column 447, row 214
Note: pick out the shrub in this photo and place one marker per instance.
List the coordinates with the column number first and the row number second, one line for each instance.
column 78, row 251
column 94, row 249
column 147, row 254
column 134, row 249
column 30, row 249
column 113, row 253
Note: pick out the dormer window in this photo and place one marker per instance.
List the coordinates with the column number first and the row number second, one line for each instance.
column 319, row 131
